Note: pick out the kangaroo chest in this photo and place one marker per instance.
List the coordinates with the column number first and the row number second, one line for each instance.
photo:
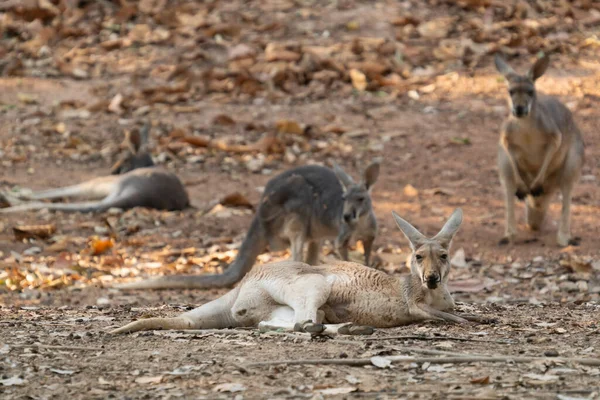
column 527, row 145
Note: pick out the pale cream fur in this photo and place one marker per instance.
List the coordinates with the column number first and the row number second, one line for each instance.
column 292, row 294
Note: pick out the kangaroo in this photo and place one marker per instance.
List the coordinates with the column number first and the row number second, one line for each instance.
column 307, row 204
column 541, row 151
column 134, row 182
column 343, row 297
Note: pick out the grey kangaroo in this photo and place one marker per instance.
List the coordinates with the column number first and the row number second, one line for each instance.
column 541, row 151
column 135, row 182
column 304, row 205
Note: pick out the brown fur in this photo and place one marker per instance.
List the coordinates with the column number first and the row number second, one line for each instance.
column 541, row 151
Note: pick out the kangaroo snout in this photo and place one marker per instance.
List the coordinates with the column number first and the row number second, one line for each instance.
column 520, row 111
column 433, row 280
column 350, row 216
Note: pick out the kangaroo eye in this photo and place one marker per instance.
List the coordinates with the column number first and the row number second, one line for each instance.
column 444, row 256
column 530, row 92
column 419, row 257
column 511, row 92
column 360, row 199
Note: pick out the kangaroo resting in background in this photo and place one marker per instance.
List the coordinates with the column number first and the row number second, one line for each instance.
column 307, row 204
column 541, row 151
column 292, row 295
column 135, row 182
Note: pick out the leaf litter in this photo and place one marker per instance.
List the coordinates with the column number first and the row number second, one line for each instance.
column 144, row 61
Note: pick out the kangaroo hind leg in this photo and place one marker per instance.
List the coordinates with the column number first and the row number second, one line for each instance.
column 212, row 315
column 306, row 294
column 96, row 189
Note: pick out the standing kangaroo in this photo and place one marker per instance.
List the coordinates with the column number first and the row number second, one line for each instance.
column 291, row 295
column 307, row 204
column 541, row 150
column 135, row 182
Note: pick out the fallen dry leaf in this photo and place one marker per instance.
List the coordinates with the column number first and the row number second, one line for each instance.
column 459, row 259
column 577, row 264
column 483, row 380
column 229, row 387
column 410, row 191
column 338, row 390
column 149, row 379
column 236, row 199
column 289, row 126
column 99, row 246
column 34, row 231
column 14, row 381
column 359, row 80
column 381, row 362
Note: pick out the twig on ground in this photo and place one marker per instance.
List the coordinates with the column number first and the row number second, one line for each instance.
column 452, row 338
column 431, row 360
column 51, row 347
column 293, row 335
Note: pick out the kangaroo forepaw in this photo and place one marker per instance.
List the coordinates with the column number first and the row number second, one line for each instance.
column 521, row 194
column 537, row 191
column 309, row 327
column 506, row 240
column 351, row 329
column 478, row 319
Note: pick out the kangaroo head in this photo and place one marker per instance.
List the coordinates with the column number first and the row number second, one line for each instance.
column 429, row 259
column 521, row 88
column 357, row 196
column 135, row 154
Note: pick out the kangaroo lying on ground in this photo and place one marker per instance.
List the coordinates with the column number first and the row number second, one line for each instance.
column 306, row 204
column 135, row 182
column 292, row 295
column 541, row 150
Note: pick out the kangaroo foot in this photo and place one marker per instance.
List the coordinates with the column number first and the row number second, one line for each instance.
column 309, row 327
column 351, row 329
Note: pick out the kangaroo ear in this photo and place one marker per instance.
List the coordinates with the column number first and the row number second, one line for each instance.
column 137, row 139
column 342, row 176
column 415, row 237
column 133, row 140
column 371, row 174
column 450, row 228
column 502, row 66
column 538, row 69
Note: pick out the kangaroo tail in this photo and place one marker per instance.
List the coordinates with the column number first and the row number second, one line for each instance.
column 212, row 315
column 254, row 244
column 124, row 201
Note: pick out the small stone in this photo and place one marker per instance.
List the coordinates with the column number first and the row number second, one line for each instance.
column 582, row 286
column 551, row 353
column 568, row 286
column 32, row 250
column 102, row 301
column 255, row 164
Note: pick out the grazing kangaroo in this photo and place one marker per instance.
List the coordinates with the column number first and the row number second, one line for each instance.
column 541, row 150
column 135, row 182
column 291, row 295
column 307, row 204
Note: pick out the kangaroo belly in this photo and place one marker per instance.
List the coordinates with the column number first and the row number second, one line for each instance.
column 372, row 310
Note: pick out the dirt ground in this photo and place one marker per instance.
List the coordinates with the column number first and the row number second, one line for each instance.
column 435, row 128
